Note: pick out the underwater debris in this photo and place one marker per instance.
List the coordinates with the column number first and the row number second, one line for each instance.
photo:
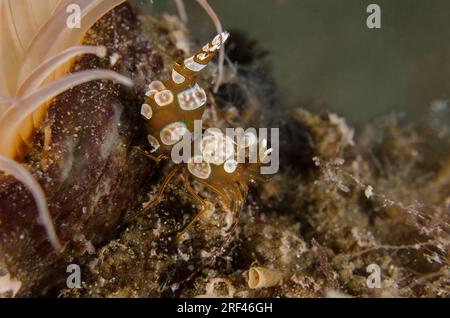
column 261, row 277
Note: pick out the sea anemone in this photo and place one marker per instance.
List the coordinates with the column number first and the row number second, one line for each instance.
column 36, row 50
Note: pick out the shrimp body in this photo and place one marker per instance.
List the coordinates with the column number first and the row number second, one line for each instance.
column 170, row 110
column 172, row 106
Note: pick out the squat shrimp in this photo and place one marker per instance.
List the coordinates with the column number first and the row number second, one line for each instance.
column 171, row 109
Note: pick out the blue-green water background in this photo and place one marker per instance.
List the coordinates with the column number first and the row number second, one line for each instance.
column 324, row 56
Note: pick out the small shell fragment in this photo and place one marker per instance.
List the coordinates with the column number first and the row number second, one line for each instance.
column 368, row 191
column 114, row 58
column 262, row 277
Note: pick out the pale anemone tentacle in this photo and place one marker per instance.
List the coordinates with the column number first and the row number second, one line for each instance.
column 56, row 29
column 37, row 77
column 40, row 10
column 37, row 47
column 42, row 72
column 29, row 34
column 90, row 18
column 6, row 100
column 90, row 13
column 212, row 14
column 11, row 50
column 16, row 170
column 39, row 34
column 181, row 11
column 29, row 103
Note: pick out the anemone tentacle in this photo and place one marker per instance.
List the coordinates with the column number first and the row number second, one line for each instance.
column 16, row 170
column 36, row 47
column 37, row 77
column 219, row 29
column 12, row 118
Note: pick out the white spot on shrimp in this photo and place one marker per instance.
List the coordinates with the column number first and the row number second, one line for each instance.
column 150, row 92
column 193, row 65
column 164, row 98
column 146, row 111
column 217, row 148
column 368, row 192
column 177, row 77
column 230, row 166
column 153, row 142
column 156, row 85
column 192, row 98
column 173, row 132
column 199, row 168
